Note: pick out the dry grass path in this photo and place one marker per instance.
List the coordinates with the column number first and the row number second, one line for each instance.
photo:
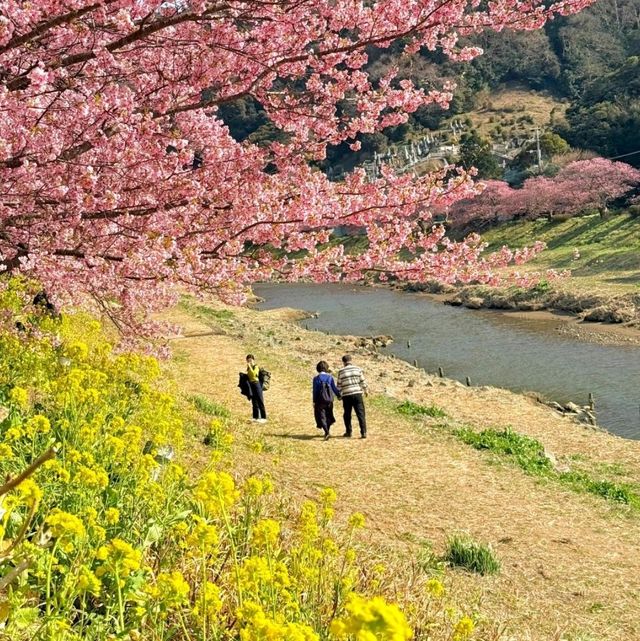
column 570, row 562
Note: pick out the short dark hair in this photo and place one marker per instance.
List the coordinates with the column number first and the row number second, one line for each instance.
column 347, row 358
column 251, row 356
column 322, row 366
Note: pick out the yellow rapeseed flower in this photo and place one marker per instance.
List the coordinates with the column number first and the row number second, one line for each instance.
column 356, row 520
column 203, row 537
column 19, row 396
column 118, row 557
column 371, row 620
column 65, row 527
column 257, row 626
column 58, row 469
column 309, row 520
column 266, row 533
column 87, row 581
column 253, row 486
column 328, row 496
column 209, row 600
column 463, row 629
column 435, row 587
column 216, row 491
column 173, row 589
column 112, row 515
column 91, row 477
column 13, row 434
column 255, row 572
column 77, row 350
column 29, row 493
column 6, row 453
column 38, row 424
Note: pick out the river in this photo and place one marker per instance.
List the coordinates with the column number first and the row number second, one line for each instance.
column 517, row 353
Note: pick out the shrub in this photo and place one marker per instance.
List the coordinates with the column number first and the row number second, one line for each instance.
column 463, row 551
column 409, row 408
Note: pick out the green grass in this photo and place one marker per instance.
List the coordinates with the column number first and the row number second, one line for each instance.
column 609, row 248
column 408, row 408
column 209, row 407
column 462, row 551
column 428, row 561
column 222, row 317
column 529, row 455
column 606, row 489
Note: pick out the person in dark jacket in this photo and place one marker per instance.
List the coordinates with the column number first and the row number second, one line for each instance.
column 257, row 398
column 324, row 391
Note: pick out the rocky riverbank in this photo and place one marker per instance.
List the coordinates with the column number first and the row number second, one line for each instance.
column 589, row 317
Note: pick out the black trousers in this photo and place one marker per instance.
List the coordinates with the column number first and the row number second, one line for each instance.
column 257, row 401
column 354, row 402
column 324, row 416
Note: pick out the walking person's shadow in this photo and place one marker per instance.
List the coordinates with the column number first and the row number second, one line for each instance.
column 298, row 437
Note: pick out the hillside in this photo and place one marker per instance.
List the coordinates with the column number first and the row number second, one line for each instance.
column 583, row 65
column 568, row 564
column 603, row 255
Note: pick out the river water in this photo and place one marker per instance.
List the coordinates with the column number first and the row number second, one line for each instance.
column 521, row 354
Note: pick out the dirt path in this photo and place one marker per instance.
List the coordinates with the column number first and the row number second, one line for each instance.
column 570, row 562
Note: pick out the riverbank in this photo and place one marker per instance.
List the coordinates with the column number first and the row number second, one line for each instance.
column 601, row 295
column 605, row 320
column 569, row 563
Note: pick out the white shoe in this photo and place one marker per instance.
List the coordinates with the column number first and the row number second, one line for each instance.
column 255, row 420
column 262, row 420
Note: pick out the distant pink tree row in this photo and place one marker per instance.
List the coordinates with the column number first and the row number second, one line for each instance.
column 579, row 186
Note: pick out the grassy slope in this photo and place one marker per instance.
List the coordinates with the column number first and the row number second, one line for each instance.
column 569, row 564
column 609, row 249
column 507, row 106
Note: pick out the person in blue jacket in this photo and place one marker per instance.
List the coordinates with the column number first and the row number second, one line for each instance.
column 324, row 391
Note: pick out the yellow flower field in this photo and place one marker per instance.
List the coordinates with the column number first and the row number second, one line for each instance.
column 111, row 538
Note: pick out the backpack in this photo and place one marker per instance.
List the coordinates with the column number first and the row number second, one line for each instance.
column 325, row 395
column 264, row 377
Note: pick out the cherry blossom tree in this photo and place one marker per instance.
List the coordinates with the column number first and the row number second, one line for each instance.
column 491, row 206
column 579, row 186
column 120, row 183
column 594, row 183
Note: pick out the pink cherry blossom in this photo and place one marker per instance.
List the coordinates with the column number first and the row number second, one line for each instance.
column 121, row 186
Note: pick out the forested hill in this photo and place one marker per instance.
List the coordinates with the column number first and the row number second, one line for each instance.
column 589, row 61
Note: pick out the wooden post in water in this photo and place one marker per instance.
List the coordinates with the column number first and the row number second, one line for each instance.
column 440, row 372
column 415, row 363
column 592, row 402
column 408, row 344
column 468, row 381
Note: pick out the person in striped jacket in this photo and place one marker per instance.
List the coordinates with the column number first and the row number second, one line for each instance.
column 352, row 388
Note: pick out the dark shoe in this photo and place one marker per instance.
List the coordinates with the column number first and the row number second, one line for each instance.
column 346, row 435
column 363, row 435
column 326, row 436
